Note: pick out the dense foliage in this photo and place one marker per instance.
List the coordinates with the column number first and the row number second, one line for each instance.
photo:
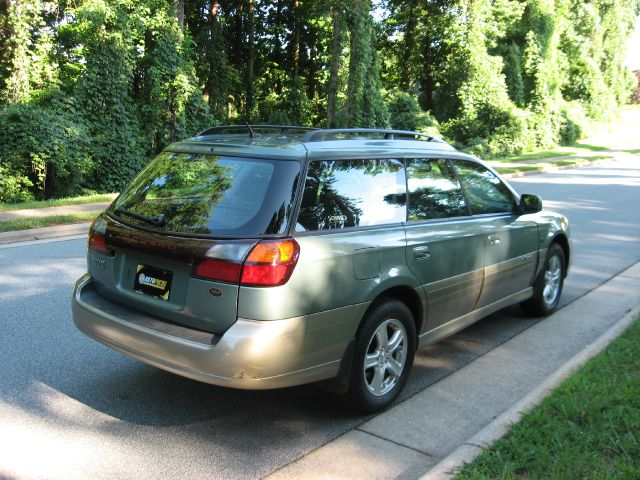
column 91, row 89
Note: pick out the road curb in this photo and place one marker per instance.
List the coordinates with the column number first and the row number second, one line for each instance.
column 474, row 446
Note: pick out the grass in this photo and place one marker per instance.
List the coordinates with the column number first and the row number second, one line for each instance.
column 586, row 146
column 635, row 150
column 575, row 160
column 524, row 168
column 566, row 163
column 533, row 156
column 39, row 222
column 58, row 202
column 546, row 165
column 589, row 428
column 570, row 150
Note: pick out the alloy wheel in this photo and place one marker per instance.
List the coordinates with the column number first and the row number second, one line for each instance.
column 386, row 357
column 552, row 279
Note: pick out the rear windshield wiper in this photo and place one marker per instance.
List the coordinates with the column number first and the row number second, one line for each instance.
column 157, row 221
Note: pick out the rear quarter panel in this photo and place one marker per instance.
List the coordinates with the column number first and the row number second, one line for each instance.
column 334, row 270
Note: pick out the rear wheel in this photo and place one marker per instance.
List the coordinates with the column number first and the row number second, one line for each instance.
column 383, row 356
column 548, row 286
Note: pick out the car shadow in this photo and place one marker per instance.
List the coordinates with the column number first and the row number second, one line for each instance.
column 135, row 393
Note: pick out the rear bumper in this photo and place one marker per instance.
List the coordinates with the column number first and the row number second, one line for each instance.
column 249, row 355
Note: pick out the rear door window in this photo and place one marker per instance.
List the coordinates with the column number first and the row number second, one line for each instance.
column 352, row 193
column 211, row 195
column 434, row 190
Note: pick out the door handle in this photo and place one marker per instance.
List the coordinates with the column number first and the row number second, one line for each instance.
column 421, row 252
column 494, row 240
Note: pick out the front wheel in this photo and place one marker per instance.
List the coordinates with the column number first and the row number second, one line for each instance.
column 548, row 285
column 383, row 356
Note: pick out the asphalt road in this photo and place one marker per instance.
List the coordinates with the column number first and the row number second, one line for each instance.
column 71, row 408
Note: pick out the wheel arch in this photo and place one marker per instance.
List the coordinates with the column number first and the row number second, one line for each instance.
column 403, row 293
column 562, row 240
column 406, row 295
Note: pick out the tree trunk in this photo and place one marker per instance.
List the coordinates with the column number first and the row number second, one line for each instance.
column 428, row 83
column 334, row 67
column 297, row 25
column 212, row 80
column 409, row 46
column 251, row 58
column 5, row 5
column 178, row 6
column 278, row 55
column 360, row 60
column 238, row 34
column 313, row 63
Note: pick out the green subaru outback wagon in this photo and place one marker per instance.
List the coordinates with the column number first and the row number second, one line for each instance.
column 264, row 257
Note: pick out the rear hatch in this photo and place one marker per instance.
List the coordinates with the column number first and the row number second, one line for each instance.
column 169, row 244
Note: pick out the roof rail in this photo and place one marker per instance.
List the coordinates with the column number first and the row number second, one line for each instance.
column 321, row 135
column 250, row 129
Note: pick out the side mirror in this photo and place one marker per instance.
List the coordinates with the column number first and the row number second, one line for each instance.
column 530, row 203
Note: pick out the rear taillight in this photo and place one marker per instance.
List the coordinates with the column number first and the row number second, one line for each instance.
column 269, row 263
column 218, row 270
column 97, row 242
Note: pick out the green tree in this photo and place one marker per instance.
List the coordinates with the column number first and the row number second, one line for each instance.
column 171, row 103
column 24, row 49
column 364, row 106
column 106, row 36
column 480, row 113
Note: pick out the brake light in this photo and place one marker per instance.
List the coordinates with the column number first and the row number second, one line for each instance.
column 218, row 270
column 97, row 242
column 270, row 263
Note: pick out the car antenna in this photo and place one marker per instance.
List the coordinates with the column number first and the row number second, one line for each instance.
column 252, row 134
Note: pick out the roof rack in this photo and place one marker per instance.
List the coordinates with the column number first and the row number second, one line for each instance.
column 321, row 135
column 250, row 129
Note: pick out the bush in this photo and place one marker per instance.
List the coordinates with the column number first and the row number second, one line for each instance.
column 14, row 188
column 574, row 123
column 492, row 131
column 291, row 107
column 403, row 110
column 405, row 114
column 512, row 137
column 44, row 151
column 635, row 96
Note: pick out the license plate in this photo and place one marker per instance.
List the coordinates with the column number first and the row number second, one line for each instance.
column 153, row 281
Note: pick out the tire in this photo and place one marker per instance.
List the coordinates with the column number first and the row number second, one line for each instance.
column 548, row 285
column 383, row 356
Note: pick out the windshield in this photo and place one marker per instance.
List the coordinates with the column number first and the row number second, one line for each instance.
column 211, row 195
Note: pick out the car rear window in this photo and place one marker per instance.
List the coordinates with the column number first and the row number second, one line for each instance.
column 211, row 195
column 352, row 193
